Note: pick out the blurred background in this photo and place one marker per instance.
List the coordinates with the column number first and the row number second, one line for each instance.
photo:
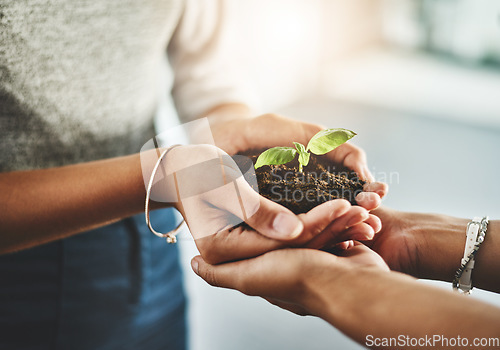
column 418, row 80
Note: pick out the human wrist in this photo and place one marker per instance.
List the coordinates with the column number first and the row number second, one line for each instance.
column 343, row 293
column 325, row 287
column 319, row 284
column 439, row 241
column 162, row 193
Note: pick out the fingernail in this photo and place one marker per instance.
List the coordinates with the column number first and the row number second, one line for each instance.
column 287, row 225
column 360, row 196
column 363, row 236
column 356, row 219
column 194, row 265
column 368, row 175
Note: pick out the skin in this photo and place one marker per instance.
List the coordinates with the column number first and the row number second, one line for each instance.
column 431, row 246
column 50, row 204
column 356, row 292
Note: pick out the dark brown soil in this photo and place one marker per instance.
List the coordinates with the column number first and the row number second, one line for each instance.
column 320, row 181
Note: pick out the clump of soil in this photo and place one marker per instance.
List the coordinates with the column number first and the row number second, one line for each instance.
column 320, row 181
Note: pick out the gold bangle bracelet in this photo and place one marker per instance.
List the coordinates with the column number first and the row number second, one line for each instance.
column 170, row 236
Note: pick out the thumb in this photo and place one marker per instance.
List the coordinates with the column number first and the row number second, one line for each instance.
column 275, row 221
column 223, row 275
column 235, row 195
column 265, row 216
column 224, row 188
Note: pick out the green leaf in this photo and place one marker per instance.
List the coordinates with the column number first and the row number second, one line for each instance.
column 304, row 156
column 276, row 156
column 329, row 139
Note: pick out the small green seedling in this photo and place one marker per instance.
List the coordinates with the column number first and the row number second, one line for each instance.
column 323, row 142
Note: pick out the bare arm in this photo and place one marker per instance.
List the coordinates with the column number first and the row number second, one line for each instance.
column 358, row 295
column 44, row 205
column 432, row 245
column 451, row 237
column 388, row 305
column 40, row 206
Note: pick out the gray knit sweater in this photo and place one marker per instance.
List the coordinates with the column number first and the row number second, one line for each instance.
column 80, row 80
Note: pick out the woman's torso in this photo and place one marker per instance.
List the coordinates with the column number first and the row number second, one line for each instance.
column 79, row 79
column 79, row 82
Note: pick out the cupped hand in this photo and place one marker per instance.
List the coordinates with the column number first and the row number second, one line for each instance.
column 271, row 130
column 288, row 277
column 210, row 191
column 337, row 220
column 397, row 242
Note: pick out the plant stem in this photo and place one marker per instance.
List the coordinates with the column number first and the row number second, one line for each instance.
column 300, row 167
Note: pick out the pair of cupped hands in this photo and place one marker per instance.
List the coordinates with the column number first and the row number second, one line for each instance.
column 275, row 251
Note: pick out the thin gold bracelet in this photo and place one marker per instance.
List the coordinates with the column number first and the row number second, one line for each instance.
column 170, row 236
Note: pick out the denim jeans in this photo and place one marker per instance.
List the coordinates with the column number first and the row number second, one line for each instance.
column 115, row 287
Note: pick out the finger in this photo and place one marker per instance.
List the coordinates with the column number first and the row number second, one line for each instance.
column 379, row 188
column 375, row 223
column 367, row 174
column 355, row 249
column 368, row 200
column 265, row 216
column 360, row 232
column 341, row 246
column 255, row 276
column 335, row 232
column 224, row 275
column 350, row 244
column 318, row 218
column 353, row 158
column 363, row 255
column 275, row 221
column 364, row 172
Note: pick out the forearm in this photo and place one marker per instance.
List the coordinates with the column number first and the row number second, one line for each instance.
column 45, row 205
column 441, row 248
column 386, row 305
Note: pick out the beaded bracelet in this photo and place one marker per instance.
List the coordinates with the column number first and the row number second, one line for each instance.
column 170, row 236
column 477, row 234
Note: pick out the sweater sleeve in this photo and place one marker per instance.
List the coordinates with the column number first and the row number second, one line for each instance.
column 204, row 61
